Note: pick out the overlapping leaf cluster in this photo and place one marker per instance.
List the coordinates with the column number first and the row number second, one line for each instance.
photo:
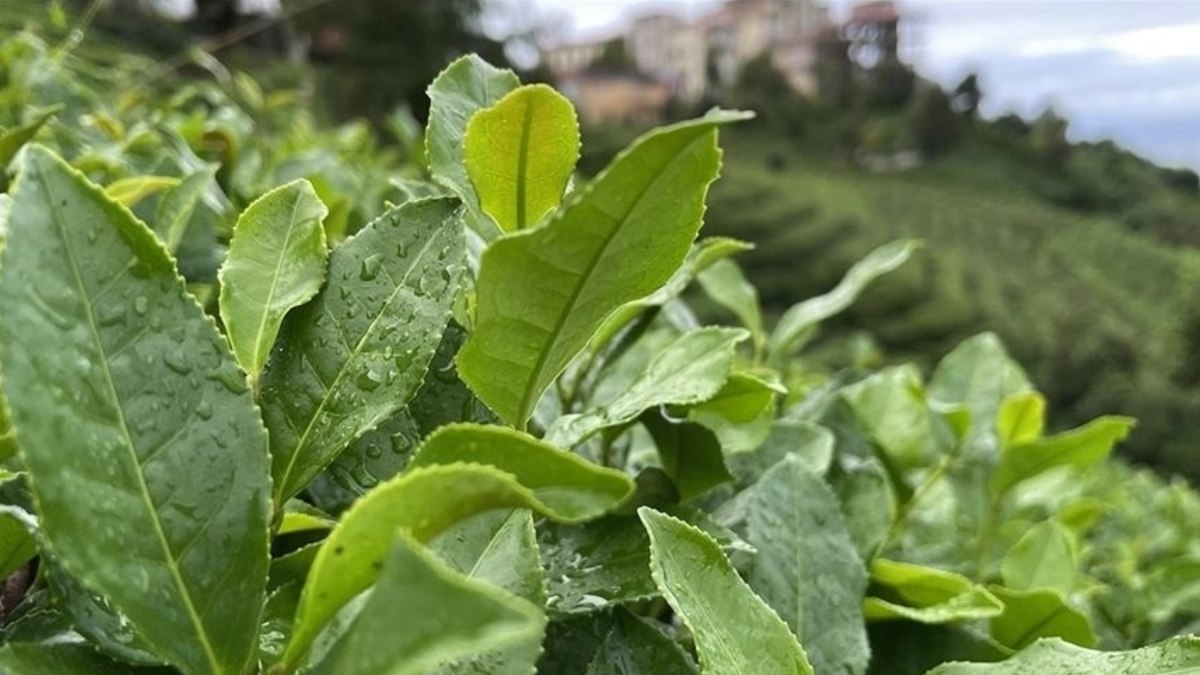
column 485, row 433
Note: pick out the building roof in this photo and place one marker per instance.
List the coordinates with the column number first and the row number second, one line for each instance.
column 881, row 11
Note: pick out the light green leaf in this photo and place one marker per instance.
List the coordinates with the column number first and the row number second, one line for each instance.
column 176, row 206
column 129, row 191
column 421, row 613
column 891, row 408
column 1022, row 418
column 543, row 293
column 980, row 375
column 568, row 484
column 691, row 369
column 690, row 454
column 634, row 647
column 702, row 254
column 926, row 595
column 1044, row 557
column 12, row 140
column 1042, row 613
column 1054, row 657
column 499, row 547
column 734, row 630
column 428, row 499
column 276, row 262
column 17, row 546
column 352, row 357
column 806, row 568
column 520, row 153
column 724, row 282
column 740, row 414
column 797, row 322
column 1082, row 447
column 148, row 426
column 465, row 87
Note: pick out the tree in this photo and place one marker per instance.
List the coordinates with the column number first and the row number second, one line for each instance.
column 932, row 120
column 967, row 96
column 762, row 88
column 1049, row 138
column 377, row 54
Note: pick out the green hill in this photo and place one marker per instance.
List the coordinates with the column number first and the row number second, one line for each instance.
column 1088, row 272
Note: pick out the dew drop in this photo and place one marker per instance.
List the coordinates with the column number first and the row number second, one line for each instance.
column 370, row 267
column 141, row 304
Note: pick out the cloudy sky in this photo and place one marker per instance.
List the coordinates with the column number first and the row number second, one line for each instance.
column 1122, row 69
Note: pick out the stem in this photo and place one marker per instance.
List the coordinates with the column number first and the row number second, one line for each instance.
column 906, row 511
column 984, row 544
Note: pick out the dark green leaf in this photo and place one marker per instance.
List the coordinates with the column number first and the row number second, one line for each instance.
column 806, row 568
column 690, row 454
column 146, row 454
column 465, row 87
column 634, row 647
column 549, row 289
column 350, row 359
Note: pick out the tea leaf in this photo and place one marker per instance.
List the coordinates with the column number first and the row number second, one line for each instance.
column 143, row 446
column 276, row 262
column 544, row 292
column 352, row 357
column 735, row 631
column 520, row 154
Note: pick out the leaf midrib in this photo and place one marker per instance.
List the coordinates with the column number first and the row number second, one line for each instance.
column 525, row 408
column 523, row 164
column 312, row 421
column 159, row 532
column 262, row 324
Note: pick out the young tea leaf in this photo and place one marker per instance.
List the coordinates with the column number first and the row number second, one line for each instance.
column 520, row 154
column 352, row 357
column 429, row 498
column 543, row 293
column 926, row 595
column 276, row 262
column 691, row 369
column 1082, row 447
column 797, row 322
column 465, row 87
column 421, row 613
column 735, row 631
column 143, row 446
column 1044, row 557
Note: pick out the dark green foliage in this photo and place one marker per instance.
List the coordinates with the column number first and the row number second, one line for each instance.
column 933, row 122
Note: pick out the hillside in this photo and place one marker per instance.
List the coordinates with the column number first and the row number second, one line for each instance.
column 1094, row 300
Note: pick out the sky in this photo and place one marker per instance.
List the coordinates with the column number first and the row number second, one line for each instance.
column 1128, row 70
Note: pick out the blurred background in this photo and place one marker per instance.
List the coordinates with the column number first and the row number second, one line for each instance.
column 1046, row 152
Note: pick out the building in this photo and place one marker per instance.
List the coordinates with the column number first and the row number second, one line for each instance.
column 692, row 60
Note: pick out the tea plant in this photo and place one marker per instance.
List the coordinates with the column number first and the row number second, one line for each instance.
column 485, row 433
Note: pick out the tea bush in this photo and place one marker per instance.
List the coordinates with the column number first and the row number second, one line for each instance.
column 454, row 417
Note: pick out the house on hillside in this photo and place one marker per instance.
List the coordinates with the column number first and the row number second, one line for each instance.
column 694, row 60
